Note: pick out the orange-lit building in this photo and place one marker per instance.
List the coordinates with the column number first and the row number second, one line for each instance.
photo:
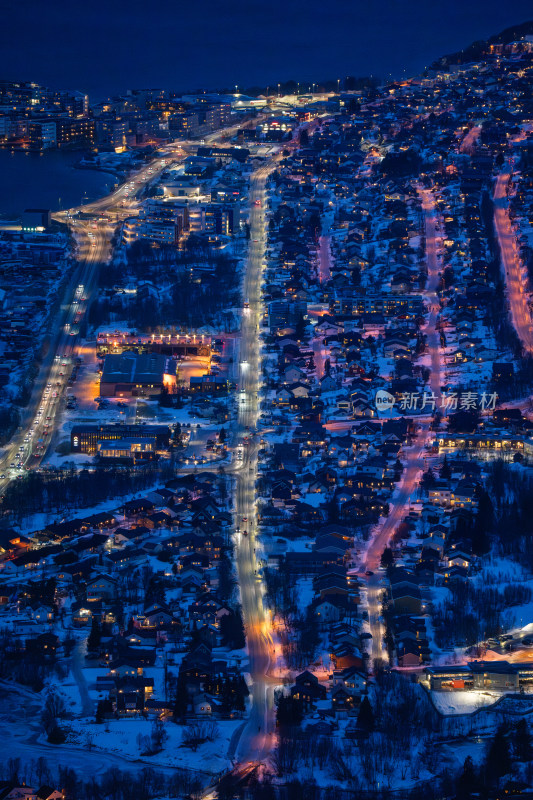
column 137, row 375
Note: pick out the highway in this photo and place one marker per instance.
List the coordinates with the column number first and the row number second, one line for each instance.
column 514, row 270
column 122, row 202
column 28, row 446
column 413, row 460
column 93, row 232
column 92, row 226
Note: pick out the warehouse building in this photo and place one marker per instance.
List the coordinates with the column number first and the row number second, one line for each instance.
column 87, row 439
column 500, row 675
column 137, row 375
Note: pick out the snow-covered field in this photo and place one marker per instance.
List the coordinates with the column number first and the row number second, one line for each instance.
column 463, row 702
column 123, row 736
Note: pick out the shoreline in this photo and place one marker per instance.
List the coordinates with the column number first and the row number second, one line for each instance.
column 29, row 180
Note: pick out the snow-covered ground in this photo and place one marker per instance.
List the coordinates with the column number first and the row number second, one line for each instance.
column 123, row 737
column 463, row 702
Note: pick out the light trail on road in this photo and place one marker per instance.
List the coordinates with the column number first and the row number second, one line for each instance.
column 413, row 463
column 515, row 280
column 256, row 740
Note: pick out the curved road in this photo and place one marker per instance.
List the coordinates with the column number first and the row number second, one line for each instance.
column 511, row 262
column 414, row 460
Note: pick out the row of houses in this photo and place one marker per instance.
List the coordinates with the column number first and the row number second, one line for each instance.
column 141, row 579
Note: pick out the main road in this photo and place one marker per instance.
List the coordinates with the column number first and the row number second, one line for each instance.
column 256, row 739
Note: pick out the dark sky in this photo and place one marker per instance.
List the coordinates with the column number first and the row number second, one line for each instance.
column 105, row 46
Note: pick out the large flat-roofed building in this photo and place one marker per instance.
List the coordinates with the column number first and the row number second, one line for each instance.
column 74, row 131
column 168, row 344
column 209, row 383
column 86, row 438
column 136, row 375
column 502, row 675
column 36, row 219
column 42, row 135
column 356, row 303
column 285, row 313
column 133, row 450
